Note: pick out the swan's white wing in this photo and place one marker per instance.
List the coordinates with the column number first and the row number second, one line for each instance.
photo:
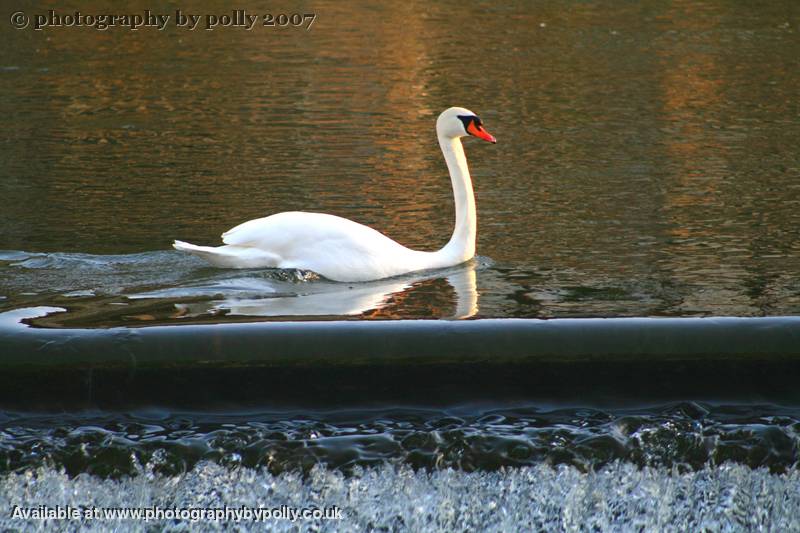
column 289, row 230
column 335, row 247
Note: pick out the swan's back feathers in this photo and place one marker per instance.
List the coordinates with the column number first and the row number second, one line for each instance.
column 285, row 232
column 332, row 246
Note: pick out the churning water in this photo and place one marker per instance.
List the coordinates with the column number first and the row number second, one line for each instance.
column 676, row 467
column 618, row 497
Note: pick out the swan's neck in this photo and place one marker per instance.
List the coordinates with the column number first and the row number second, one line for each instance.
column 462, row 244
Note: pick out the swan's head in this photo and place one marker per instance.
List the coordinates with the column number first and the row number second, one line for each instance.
column 458, row 122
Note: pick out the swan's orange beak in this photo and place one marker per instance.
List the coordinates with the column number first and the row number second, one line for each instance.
column 480, row 133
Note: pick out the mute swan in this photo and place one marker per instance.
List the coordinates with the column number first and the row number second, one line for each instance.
column 342, row 250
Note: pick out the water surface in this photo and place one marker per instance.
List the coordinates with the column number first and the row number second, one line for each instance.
column 647, row 161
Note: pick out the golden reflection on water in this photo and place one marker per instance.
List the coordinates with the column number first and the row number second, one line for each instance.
column 691, row 96
column 648, row 149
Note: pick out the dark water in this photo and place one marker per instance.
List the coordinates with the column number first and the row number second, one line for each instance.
column 647, row 161
column 685, row 435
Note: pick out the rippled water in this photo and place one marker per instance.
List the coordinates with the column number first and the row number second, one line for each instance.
column 647, row 161
column 685, row 435
column 168, row 287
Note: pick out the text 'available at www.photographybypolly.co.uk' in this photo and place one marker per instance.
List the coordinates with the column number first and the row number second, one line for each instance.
column 147, row 19
column 190, row 514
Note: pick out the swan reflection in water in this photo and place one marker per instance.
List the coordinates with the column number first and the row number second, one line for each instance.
column 449, row 293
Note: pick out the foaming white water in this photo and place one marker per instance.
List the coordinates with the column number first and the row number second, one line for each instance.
column 618, row 497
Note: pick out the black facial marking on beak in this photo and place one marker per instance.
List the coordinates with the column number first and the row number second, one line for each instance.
column 473, row 126
column 466, row 119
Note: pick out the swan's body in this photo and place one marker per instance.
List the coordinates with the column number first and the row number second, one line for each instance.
column 342, row 250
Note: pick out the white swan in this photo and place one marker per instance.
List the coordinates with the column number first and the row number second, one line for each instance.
column 342, row 250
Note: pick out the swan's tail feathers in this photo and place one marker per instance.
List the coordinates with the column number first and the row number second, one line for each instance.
column 187, row 247
column 231, row 256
